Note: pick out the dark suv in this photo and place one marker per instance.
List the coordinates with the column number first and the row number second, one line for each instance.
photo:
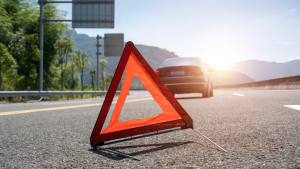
column 186, row 75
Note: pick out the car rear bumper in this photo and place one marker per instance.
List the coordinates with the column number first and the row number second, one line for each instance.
column 186, row 85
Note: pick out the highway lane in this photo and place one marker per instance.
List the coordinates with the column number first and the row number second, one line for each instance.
column 46, row 104
column 254, row 126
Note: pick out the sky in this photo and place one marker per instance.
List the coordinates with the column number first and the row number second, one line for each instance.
column 216, row 31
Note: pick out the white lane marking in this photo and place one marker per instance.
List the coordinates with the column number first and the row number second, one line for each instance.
column 297, row 107
column 238, row 94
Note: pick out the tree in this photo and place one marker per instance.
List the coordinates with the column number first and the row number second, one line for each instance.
column 103, row 64
column 63, row 49
column 73, row 69
column 70, row 80
column 5, row 24
column 6, row 62
column 81, row 63
column 31, row 55
column 108, row 80
column 93, row 75
column 23, row 14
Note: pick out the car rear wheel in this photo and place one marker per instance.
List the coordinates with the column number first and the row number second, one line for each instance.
column 211, row 91
column 206, row 93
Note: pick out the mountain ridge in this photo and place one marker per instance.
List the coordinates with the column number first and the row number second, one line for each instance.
column 153, row 55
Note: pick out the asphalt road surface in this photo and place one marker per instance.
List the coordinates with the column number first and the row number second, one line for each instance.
column 258, row 128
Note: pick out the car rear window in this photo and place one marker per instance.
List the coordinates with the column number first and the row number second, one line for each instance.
column 181, row 62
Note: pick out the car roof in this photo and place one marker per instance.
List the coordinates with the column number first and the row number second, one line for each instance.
column 183, row 61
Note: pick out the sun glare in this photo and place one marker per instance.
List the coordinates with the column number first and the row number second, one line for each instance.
column 221, row 48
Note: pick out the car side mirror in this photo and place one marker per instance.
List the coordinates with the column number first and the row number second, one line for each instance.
column 210, row 70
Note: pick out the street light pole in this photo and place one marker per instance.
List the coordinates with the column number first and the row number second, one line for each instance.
column 98, row 45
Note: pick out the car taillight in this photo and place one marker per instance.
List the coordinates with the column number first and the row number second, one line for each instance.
column 194, row 69
column 160, row 72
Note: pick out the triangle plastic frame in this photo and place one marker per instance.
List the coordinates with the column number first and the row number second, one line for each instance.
column 98, row 139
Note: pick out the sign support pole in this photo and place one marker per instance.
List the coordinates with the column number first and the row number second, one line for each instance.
column 41, row 42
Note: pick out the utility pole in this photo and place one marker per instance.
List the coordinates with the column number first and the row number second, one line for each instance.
column 98, row 45
column 41, row 42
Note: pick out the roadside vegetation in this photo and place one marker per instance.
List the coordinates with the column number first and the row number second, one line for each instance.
column 20, row 55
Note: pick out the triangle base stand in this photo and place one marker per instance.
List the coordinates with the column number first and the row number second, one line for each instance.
column 210, row 140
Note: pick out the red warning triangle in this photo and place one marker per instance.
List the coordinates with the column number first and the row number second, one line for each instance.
column 173, row 114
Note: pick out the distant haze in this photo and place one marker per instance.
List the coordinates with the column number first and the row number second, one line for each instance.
column 262, row 70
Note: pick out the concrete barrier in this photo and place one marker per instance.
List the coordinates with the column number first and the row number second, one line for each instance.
column 291, row 82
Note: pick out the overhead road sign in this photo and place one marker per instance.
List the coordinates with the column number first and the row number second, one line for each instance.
column 113, row 44
column 93, row 14
column 173, row 114
column 88, row 14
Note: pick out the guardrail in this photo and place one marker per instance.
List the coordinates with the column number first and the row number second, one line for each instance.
column 291, row 82
column 49, row 93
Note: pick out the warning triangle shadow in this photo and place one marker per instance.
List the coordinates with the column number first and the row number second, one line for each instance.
column 156, row 147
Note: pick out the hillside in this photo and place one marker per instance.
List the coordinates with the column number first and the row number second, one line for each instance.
column 262, row 70
column 225, row 76
column 153, row 55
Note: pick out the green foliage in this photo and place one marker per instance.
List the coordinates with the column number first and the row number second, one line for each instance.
column 7, row 62
column 24, row 48
column 93, row 76
column 5, row 24
column 29, row 58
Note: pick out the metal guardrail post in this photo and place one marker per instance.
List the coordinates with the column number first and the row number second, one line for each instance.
column 82, row 96
column 68, row 97
column 25, row 99
column 50, row 98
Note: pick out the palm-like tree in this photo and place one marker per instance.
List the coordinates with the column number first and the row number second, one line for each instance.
column 103, row 64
